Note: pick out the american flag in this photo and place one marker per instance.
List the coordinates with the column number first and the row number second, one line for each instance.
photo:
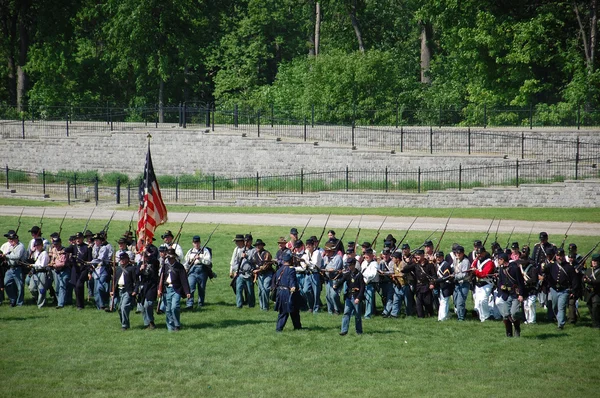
column 152, row 211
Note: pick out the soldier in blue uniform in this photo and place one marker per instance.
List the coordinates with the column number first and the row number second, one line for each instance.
column 354, row 295
column 288, row 296
column 511, row 287
column 592, row 291
column 560, row 277
column 125, row 278
column 177, row 286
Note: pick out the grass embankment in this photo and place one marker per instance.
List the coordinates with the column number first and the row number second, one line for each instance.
column 223, row 351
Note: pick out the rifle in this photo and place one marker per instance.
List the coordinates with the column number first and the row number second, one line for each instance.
column 358, row 232
column 423, row 244
column 210, row 236
column 19, row 221
column 562, row 245
column 406, row 233
column 443, row 232
column 488, row 231
column 88, row 221
column 42, row 219
column 201, row 251
column 131, row 222
column 529, row 237
column 161, row 286
column 377, row 235
column 61, row 224
column 105, row 229
column 584, row 258
column 111, row 308
column 509, row 236
column 344, row 233
column 497, row 228
column 233, row 283
column 324, row 227
column 304, row 229
column 180, row 228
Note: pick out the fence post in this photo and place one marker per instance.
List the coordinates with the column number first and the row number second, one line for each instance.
column 184, row 115
column 69, row 193
column 397, row 118
column 257, row 183
column 7, row 185
column 176, row 189
column 419, row 180
column 484, row 115
column 156, row 119
column 23, row 126
column 111, row 123
column 386, row 179
column 578, row 116
column 213, row 187
column 577, row 159
column 44, row 181
column 312, row 116
column 235, row 116
column 258, row 122
column 347, row 178
column 469, row 139
column 440, row 117
column 460, row 176
column 353, row 127
column 517, row 173
column 128, row 194
column 214, row 111
column 207, row 109
column 301, row 181
column 522, row 145
column 118, row 191
column 430, row 139
column 67, row 124
column 401, row 138
column 305, row 129
column 531, row 116
column 96, row 195
column 75, row 184
column 179, row 114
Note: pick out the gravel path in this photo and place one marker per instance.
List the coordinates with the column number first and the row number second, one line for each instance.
column 318, row 220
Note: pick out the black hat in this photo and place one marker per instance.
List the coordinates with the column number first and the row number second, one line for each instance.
column 78, row 235
column 162, row 248
column 259, row 242
column 419, row 252
column 123, row 255
column 171, row 253
column 543, row 235
column 351, row 244
column 366, row 245
column 88, row 234
column 314, row 238
column 35, row 229
column 298, row 244
column 238, row 238
column 248, row 237
column 596, row 257
column 310, row 241
column 128, row 234
column 167, row 233
column 439, row 254
column 477, row 243
column 286, row 257
column 351, row 261
column 397, row 255
column 38, row 241
column 71, row 238
column 56, row 239
column 572, row 246
column 122, row 240
column 387, row 243
column 386, row 251
column 391, row 238
column 503, row 256
column 480, row 249
column 281, row 240
column 331, row 231
column 428, row 243
column 560, row 251
column 405, row 246
column 11, row 234
column 515, row 245
column 330, row 246
column 294, row 231
column 98, row 237
column 459, row 249
column 196, row 238
column 550, row 252
column 369, row 251
column 55, row 234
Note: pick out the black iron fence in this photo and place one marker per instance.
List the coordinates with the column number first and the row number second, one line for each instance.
column 187, row 188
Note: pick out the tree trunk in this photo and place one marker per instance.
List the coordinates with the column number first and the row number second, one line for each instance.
column 589, row 45
column 23, row 49
column 354, row 20
column 425, row 54
column 161, row 93
column 317, row 27
column 12, row 82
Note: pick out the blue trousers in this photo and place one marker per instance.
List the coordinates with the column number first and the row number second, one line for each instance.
column 241, row 285
column 369, row 300
column 332, row 296
column 559, row 305
column 398, row 299
column 13, row 285
column 197, row 278
column 351, row 308
column 387, row 292
column 62, row 288
column 312, row 290
column 100, row 293
column 148, row 312
column 172, row 310
column 125, row 305
column 461, row 292
column 264, row 287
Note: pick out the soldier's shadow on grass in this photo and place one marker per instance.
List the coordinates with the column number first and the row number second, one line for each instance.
column 546, row 336
column 225, row 323
column 20, row 318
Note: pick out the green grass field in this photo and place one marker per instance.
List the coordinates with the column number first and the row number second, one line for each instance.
column 223, row 351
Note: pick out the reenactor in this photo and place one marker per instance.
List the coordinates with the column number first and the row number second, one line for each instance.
column 126, row 281
column 368, row 269
column 311, row 261
column 445, row 281
column 288, row 299
column 176, row 287
column 409, row 277
column 353, row 297
column 38, row 283
column 462, row 282
column 99, row 272
column 385, row 270
column 241, row 273
column 482, row 268
column 539, row 256
column 198, row 265
column 399, row 284
column 510, row 294
column 148, row 287
column 424, row 273
column 80, row 255
column 263, row 273
column 562, row 282
column 531, row 281
column 282, row 243
column 333, row 266
column 575, row 260
column 168, row 243
column 59, row 263
column 592, row 291
column 12, row 254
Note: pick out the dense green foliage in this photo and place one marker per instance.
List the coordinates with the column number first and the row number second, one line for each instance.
column 260, row 53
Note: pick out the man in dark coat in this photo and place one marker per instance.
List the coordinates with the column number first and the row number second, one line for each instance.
column 511, row 287
column 125, row 280
column 354, row 295
column 592, row 291
column 176, row 285
column 80, row 254
column 288, row 296
column 148, row 287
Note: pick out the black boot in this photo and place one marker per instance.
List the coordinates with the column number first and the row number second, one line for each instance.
column 517, row 328
column 508, row 326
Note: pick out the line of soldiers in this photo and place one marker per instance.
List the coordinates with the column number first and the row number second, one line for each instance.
column 505, row 283
column 116, row 279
